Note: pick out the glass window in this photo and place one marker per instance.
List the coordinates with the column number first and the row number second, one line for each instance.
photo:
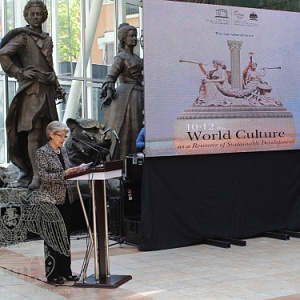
column 68, row 33
column 10, row 15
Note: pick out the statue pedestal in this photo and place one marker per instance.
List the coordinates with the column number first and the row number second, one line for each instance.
column 207, row 130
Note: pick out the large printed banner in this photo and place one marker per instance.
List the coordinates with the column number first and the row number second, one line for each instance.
column 220, row 79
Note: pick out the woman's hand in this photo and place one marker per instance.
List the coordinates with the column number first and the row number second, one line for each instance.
column 71, row 171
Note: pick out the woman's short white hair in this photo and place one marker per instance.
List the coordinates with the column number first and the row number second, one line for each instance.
column 56, row 126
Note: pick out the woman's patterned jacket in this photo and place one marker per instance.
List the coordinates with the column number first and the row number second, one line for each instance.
column 52, row 174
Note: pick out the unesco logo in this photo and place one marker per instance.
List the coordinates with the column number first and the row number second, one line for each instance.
column 222, row 13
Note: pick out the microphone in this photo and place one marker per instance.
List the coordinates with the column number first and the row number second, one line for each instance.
column 90, row 145
column 84, row 133
column 106, row 131
column 96, row 148
column 116, row 135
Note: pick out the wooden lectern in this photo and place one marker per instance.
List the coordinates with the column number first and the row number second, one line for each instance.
column 99, row 232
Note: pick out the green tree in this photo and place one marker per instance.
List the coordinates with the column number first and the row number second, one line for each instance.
column 68, row 25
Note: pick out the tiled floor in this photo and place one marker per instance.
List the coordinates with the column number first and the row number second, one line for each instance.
column 264, row 269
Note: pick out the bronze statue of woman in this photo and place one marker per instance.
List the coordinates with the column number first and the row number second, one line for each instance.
column 125, row 105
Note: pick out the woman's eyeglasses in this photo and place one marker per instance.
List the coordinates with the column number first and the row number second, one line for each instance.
column 61, row 136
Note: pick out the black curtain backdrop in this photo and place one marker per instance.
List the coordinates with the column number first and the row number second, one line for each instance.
column 186, row 199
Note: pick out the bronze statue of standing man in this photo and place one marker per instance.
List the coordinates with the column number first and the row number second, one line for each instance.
column 26, row 54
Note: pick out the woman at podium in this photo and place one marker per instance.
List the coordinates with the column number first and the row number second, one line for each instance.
column 53, row 165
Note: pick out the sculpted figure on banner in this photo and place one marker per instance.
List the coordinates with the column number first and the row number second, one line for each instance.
column 218, row 75
column 26, row 54
column 125, row 105
column 251, row 76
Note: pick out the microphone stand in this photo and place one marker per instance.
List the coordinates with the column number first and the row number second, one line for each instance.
column 119, row 239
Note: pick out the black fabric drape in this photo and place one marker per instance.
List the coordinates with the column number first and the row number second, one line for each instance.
column 188, row 199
